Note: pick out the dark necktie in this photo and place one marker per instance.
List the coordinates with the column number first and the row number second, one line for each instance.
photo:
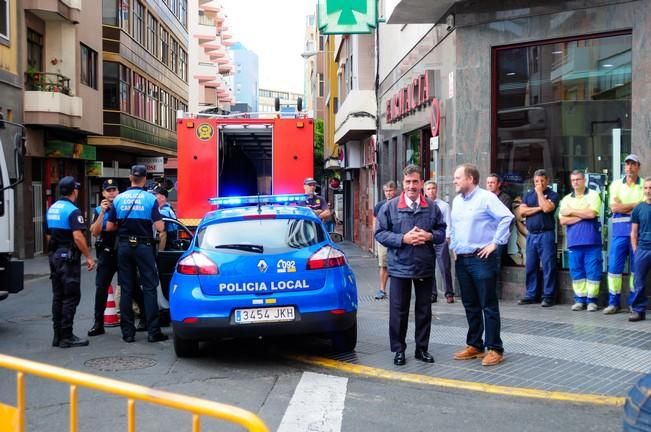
column 414, row 206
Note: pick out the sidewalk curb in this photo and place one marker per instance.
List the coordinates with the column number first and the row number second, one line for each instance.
column 356, row 369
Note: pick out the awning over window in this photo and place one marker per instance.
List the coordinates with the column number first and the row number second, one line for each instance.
column 417, row 11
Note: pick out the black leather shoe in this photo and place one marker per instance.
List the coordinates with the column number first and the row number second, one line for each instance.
column 142, row 326
column 434, row 299
column 526, row 301
column 96, row 330
column 399, row 359
column 424, row 356
column 547, row 303
column 157, row 337
column 128, row 339
column 635, row 317
column 72, row 341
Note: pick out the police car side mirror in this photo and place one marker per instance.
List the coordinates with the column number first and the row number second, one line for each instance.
column 336, row 237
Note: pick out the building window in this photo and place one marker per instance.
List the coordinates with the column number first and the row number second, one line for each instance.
column 123, row 14
column 562, row 106
column 4, row 21
column 111, row 94
column 34, row 51
column 152, row 35
column 183, row 12
column 88, row 66
column 125, row 89
column 164, row 46
column 174, row 60
column 110, row 12
column 138, row 96
column 321, row 85
column 139, row 22
column 152, row 103
column 183, row 65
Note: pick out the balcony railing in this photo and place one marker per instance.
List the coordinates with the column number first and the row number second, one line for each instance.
column 47, row 82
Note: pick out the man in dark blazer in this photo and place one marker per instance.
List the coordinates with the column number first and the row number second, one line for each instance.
column 409, row 226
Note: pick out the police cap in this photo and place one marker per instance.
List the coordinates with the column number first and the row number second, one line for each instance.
column 109, row 184
column 67, row 185
column 309, row 181
column 139, row 171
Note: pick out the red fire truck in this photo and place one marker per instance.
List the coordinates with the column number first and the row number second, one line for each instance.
column 237, row 155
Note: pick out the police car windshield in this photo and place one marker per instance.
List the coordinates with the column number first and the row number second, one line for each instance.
column 271, row 235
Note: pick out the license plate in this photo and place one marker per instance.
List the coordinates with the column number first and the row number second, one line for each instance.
column 273, row 314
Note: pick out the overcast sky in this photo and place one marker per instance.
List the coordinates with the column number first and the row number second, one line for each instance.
column 275, row 31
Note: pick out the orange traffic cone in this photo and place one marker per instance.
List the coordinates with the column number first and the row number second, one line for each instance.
column 111, row 318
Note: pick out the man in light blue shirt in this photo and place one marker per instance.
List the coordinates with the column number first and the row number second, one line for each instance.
column 480, row 222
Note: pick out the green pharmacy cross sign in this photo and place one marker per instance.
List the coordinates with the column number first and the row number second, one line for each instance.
column 347, row 16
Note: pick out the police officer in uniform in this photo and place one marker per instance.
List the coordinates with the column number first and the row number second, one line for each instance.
column 135, row 212
column 314, row 201
column 167, row 211
column 66, row 244
column 107, row 255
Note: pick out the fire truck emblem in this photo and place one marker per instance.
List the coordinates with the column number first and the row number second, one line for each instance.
column 204, row 132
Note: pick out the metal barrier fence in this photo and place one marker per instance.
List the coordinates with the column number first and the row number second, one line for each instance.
column 12, row 418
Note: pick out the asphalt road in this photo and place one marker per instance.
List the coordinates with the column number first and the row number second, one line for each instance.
column 255, row 375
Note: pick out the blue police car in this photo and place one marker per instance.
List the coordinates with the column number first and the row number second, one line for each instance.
column 260, row 270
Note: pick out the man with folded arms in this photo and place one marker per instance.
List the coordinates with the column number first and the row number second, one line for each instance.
column 480, row 222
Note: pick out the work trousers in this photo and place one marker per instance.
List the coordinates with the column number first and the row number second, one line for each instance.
column 443, row 266
column 620, row 249
column 134, row 261
column 66, row 292
column 107, row 266
column 638, row 298
column 541, row 250
column 585, row 269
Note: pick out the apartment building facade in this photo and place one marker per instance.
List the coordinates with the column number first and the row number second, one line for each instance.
column 212, row 67
column 58, row 67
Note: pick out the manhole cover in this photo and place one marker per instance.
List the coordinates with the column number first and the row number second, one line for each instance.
column 118, row 363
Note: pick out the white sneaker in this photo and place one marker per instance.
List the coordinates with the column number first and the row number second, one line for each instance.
column 578, row 306
column 592, row 307
column 611, row 310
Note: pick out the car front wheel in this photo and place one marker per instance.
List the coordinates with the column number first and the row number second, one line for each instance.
column 185, row 347
column 345, row 340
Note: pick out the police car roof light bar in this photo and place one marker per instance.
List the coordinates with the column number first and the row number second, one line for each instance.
column 238, row 201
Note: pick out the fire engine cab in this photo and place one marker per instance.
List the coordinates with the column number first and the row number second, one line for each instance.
column 238, row 155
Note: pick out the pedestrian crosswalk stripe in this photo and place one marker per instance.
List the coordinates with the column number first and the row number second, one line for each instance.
column 317, row 404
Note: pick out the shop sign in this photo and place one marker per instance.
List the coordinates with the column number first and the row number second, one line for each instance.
column 417, row 94
column 153, row 164
column 69, row 150
column 94, row 168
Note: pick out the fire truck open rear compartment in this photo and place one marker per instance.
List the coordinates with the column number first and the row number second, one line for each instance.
column 245, row 160
column 220, row 156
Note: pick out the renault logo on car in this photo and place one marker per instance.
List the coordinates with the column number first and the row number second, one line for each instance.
column 262, row 266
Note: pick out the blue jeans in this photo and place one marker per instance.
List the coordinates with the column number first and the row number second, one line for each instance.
column 134, row 262
column 541, row 249
column 478, row 283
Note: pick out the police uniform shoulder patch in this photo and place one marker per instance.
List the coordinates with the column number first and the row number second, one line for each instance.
column 80, row 219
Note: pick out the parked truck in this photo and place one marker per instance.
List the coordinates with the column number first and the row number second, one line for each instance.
column 238, row 155
column 11, row 269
